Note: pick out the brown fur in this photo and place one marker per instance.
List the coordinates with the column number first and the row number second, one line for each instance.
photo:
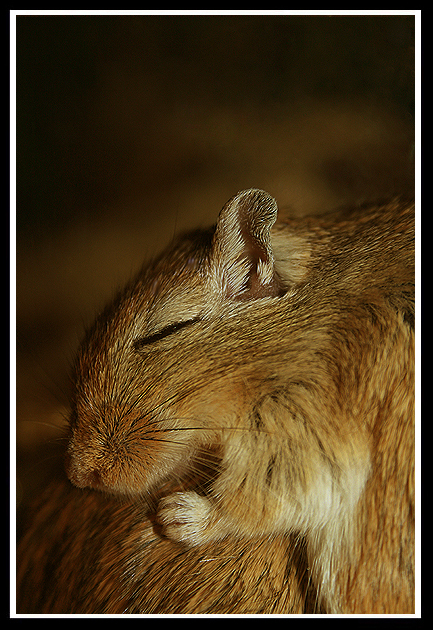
column 85, row 552
column 288, row 350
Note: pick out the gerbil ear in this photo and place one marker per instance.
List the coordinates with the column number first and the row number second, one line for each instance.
column 242, row 260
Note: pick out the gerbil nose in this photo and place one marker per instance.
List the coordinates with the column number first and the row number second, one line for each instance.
column 81, row 477
column 88, row 479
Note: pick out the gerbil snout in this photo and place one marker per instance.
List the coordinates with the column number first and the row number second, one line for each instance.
column 126, row 461
column 100, row 462
column 81, row 477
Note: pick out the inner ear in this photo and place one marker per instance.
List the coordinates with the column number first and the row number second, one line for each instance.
column 242, row 256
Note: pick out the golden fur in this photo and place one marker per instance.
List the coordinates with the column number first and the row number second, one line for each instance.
column 288, row 350
column 87, row 553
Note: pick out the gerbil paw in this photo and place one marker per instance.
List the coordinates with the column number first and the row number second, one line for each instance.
column 184, row 517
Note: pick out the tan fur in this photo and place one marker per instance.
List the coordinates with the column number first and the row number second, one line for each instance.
column 290, row 350
column 87, row 553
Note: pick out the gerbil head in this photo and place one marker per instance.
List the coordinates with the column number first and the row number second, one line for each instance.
column 162, row 370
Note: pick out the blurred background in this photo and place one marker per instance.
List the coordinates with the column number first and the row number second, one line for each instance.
column 131, row 129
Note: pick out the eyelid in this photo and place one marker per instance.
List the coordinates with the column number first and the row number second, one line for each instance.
column 164, row 332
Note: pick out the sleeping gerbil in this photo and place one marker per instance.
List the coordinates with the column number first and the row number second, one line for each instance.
column 279, row 356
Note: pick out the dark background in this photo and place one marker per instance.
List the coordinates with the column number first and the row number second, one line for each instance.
column 133, row 128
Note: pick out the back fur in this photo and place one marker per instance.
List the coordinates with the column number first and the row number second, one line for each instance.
column 87, row 553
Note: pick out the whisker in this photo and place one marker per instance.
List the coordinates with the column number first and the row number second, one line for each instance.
column 152, row 439
column 51, row 425
column 195, row 428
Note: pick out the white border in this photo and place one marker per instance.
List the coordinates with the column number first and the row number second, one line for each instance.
column 13, row 14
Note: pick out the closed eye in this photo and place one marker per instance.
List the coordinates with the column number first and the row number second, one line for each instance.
column 163, row 333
